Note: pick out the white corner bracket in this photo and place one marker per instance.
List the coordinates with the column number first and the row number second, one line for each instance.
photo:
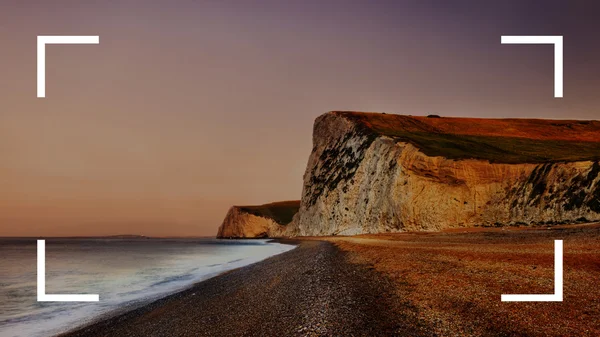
column 558, row 282
column 557, row 41
column 42, row 41
column 41, row 282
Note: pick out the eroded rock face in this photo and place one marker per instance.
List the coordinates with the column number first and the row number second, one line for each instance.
column 358, row 181
column 240, row 224
column 260, row 221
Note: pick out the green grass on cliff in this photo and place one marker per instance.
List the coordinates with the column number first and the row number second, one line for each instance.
column 501, row 149
column 281, row 212
column 510, row 141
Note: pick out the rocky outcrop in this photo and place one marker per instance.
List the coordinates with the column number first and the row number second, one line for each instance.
column 262, row 221
column 372, row 173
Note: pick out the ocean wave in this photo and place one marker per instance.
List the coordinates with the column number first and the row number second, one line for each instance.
column 123, row 273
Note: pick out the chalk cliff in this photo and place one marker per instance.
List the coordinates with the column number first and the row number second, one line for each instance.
column 372, row 173
column 262, row 221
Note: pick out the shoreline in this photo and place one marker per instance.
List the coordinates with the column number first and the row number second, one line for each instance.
column 408, row 284
column 311, row 289
column 142, row 303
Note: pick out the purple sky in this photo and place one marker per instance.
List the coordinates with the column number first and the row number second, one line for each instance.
column 188, row 107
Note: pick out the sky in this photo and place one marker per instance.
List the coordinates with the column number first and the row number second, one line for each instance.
column 188, row 107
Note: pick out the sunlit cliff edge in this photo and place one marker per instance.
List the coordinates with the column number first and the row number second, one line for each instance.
column 375, row 172
column 372, row 173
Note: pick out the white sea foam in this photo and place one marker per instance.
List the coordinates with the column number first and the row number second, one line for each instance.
column 125, row 273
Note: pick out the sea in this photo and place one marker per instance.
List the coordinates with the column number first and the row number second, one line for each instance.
column 124, row 272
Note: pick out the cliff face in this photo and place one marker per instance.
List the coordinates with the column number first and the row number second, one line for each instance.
column 371, row 173
column 262, row 221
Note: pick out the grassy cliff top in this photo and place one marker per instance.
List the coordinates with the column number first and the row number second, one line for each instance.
column 281, row 212
column 496, row 140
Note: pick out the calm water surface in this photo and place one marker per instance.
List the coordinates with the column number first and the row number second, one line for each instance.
column 124, row 272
